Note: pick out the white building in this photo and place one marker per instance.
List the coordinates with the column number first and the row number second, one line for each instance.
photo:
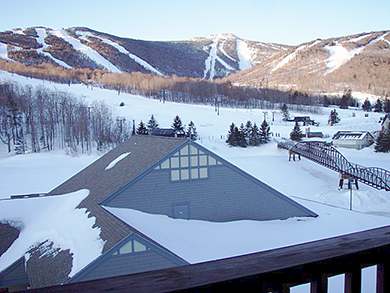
column 353, row 139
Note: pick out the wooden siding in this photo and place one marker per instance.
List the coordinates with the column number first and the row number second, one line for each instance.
column 130, row 263
column 116, row 262
column 225, row 195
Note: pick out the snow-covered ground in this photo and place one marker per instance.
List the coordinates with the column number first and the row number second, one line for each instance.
column 304, row 181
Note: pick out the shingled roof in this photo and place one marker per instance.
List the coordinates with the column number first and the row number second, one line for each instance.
column 101, row 180
column 132, row 162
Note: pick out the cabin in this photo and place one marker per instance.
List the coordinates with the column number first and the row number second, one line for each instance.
column 353, row 139
column 174, row 178
column 168, row 132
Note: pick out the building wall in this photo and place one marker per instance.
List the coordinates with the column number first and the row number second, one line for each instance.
column 132, row 263
column 353, row 143
column 225, row 195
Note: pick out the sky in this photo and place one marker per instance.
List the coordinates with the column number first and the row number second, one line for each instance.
column 289, row 22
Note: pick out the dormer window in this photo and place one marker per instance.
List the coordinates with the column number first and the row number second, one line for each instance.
column 189, row 163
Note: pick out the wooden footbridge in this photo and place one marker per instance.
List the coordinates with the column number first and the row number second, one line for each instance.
column 328, row 156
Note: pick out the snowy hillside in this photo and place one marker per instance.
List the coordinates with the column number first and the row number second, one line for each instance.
column 211, row 57
column 359, row 62
column 310, row 184
column 228, row 53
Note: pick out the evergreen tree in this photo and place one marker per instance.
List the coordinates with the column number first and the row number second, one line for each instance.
column 333, row 118
column 255, row 138
column 142, row 130
column 265, row 133
column 382, row 144
column 366, row 106
column 247, row 131
column 296, row 133
column 240, row 139
column 346, row 99
column 386, row 106
column 177, row 124
column 191, row 131
column 231, row 135
column 152, row 124
column 285, row 113
column 378, row 106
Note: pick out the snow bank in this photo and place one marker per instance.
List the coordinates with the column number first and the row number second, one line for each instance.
column 198, row 241
column 57, row 219
column 39, row 172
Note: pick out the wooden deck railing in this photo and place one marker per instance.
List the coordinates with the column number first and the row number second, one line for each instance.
column 269, row 271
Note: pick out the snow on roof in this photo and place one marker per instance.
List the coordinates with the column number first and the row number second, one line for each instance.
column 117, row 160
column 57, row 219
column 350, row 135
column 198, row 241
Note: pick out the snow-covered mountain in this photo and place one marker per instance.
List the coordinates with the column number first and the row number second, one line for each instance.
column 78, row 47
column 357, row 62
column 360, row 62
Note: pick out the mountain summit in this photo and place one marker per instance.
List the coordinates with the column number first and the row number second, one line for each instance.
column 80, row 47
column 357, row 62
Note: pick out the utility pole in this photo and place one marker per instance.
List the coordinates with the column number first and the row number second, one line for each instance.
column 265, row 115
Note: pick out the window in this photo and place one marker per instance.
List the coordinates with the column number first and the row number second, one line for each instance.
column 188, row 164
column 131, row 247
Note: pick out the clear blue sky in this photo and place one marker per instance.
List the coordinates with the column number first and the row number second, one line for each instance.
column 288, row 22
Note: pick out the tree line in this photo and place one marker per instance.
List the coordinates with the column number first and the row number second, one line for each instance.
column 174, row 88
column 40, row 119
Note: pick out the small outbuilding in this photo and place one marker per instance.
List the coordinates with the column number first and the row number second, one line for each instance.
column 353, row 139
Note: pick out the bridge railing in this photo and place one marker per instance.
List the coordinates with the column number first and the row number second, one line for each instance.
column 328, row 156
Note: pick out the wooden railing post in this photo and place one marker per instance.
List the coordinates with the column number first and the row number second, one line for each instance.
column 319, row 284
column 353, row 280
column 381, row 277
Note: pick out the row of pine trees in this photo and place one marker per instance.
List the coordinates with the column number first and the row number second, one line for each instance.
column 248, row 134
column 177, row 125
